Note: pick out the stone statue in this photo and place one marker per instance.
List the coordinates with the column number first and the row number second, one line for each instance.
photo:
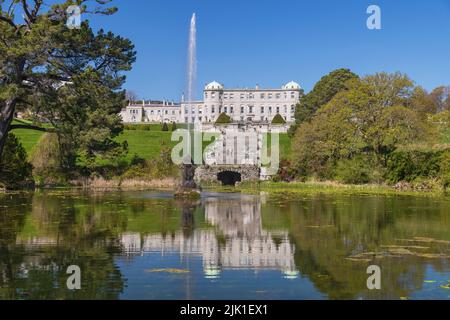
column 188, row 174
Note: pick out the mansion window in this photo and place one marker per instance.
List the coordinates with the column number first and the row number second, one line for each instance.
column 292, row 109
column 231, row 109
column 262, row 109
column 250, row 96
column 231, row 96
column 185, row 110
column 213, row 95
column 166, row 112
column 206, row 95
column 278, row 96
column 225, row 109
column 270, row 96
column 250, row 109
column 262, row 96
column 293, row 95
column 213, row 110
column 270, row 109
column 242, row 109
column 278, row 109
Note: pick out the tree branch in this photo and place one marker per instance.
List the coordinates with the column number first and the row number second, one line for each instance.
column 27, row 12
column 30, row 127
column 9, row 21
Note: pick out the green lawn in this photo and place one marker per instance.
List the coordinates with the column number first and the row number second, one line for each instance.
column 145, row 143
column 29, row 138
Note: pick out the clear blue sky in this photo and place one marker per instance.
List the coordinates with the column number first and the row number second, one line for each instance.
column 244, row 42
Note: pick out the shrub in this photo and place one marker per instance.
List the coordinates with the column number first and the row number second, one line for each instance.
column 412, row 165
column 160, row 167
column 174, row 126
column 278, row 119
column 223, row 118
column 146, row 127
column 15, row 170
column 46, row 160
column 356, row 170
column 286, row 172
column 445, row 169
column 165, row 127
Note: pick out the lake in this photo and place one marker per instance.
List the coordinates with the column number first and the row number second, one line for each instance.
column 146, row 245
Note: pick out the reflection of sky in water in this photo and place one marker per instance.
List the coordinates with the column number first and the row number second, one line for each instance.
column 231, row 284
column 246, row 262
column 227, row 246
column 431, row 288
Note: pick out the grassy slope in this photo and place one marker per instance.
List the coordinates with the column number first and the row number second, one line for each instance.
column 146, row 144
column 29, row 138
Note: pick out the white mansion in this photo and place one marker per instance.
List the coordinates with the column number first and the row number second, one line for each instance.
column 242, row 105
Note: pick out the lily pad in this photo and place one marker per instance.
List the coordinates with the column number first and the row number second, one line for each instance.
column 168, row 270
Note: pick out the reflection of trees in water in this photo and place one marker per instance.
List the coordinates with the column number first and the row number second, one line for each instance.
column 328, row 229
column 41, row 234
column 50, row 235
column 187, row 215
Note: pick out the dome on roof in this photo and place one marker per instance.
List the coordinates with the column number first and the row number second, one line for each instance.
column 211, row 272
column 214, row 86
column 292, row 86
column 291, row 274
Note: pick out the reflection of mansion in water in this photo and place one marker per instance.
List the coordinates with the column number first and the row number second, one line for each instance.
column 246, row 244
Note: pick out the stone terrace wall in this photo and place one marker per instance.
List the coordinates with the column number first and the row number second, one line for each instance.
column 209, row 173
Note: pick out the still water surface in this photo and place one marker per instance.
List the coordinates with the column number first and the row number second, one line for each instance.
column 146, row 245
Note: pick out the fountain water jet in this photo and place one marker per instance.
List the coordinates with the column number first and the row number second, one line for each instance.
column 188, row 183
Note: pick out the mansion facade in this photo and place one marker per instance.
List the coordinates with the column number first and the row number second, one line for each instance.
column 242, row 105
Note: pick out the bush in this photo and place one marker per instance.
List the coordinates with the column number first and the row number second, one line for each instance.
column 160, row 167
column 412, row 165
column 286, row 172
column 145, row 127
column 165, row 127
column 15, row 170
column 278, row 119
column 46, row 160
column 354, row 171
column 174, row 126
column 223, row 118
column 445, row 169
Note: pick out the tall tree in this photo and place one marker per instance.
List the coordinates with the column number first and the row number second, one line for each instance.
column 324, row 90
column 68, row 77
column 441, row 97
column 374, row 116
column 131, row 96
